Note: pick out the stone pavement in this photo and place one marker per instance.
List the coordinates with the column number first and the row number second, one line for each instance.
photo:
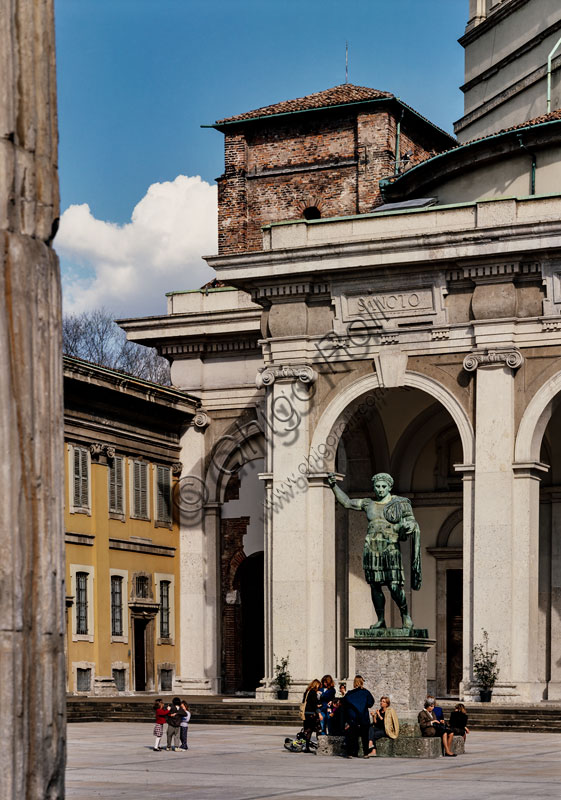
column 240, row 762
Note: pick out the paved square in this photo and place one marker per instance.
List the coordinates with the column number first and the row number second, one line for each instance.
column 241, row 762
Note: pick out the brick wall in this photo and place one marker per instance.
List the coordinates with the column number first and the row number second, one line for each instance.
column 274, row 169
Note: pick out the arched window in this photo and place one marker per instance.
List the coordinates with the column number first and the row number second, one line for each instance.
column 312, row 212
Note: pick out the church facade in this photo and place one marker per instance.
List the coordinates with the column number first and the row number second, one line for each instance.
column 386, row 301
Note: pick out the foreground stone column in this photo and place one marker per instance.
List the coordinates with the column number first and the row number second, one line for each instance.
column 492, row 590
column 32, row 686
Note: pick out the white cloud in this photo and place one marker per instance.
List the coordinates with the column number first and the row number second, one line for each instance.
column 129, row 268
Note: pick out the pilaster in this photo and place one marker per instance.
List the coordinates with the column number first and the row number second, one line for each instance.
column 199, row 565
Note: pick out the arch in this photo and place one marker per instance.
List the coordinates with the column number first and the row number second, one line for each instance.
column 235, row 448
column 534, row 421
column 419, row 431
column 336, row 416
column 448, row 526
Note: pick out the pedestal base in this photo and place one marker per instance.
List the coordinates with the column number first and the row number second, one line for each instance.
column 393, row 661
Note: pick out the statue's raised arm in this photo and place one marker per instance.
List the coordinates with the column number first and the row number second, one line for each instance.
column 342, row 498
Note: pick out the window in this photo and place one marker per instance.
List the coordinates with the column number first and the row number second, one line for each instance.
column 119, row 678
column 164, row 609
column 116, row 486
column 163, row 494
column 166, row 677
column 82, row 603
column 116, row 605
column 140, row 489
column 81, row 486
column 142, row 586
column 83, row 680
column 312, row 212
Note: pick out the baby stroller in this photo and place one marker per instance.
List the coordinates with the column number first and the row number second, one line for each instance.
column 298, row 744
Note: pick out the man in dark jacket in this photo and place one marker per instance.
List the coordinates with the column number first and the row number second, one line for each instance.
column 356, row 717
column 174, row 721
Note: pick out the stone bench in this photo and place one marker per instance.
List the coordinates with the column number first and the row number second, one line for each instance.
column 409, row 744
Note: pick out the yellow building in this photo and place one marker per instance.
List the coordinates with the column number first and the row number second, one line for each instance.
column 122, row 451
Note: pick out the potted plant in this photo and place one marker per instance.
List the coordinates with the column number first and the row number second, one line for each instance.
column 485, row 668
column 282, row 678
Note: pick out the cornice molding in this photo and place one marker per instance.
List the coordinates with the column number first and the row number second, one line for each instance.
column 491, row 271
column 203, row 347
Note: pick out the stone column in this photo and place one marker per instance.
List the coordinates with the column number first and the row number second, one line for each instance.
column 322, row 609
column 199, row 568
column 554, row 687
column 295, row 609
column 526, row 582
column 492, row 548
column 32, row 688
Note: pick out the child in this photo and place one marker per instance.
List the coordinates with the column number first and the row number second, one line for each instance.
column 161, row 714
column 184, row 725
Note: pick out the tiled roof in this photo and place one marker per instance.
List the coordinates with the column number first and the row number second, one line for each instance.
column 551, row 117
column 338, row 95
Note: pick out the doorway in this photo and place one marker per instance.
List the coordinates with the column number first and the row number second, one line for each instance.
column 139, row 629
column 250, row 581
column 454, row 630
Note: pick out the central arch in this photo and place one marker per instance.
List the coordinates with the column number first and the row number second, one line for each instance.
column 348, row 415
column 334, row 414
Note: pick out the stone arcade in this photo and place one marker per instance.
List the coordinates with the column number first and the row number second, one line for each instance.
column 416, row 331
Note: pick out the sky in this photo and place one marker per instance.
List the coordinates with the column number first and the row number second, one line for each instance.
column 138, row 78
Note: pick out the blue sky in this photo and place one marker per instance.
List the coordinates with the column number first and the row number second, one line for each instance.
column 137, row 78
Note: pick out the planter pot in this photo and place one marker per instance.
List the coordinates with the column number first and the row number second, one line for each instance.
column 282, row 694
column 485, row 695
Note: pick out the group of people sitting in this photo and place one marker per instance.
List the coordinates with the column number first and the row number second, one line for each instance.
column 432, row 723
column 351, row 714
column 348, row 714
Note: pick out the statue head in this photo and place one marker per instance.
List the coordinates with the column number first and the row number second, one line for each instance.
column 382, row 484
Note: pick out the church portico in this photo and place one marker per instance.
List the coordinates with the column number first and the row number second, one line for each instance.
column 418, row 339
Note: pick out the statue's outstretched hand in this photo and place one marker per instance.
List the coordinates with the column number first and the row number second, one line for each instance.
column 331, row 479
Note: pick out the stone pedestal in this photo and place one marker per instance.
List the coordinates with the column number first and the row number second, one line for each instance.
column 393, row 661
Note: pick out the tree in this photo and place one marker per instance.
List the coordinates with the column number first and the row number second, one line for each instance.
column 94, row 336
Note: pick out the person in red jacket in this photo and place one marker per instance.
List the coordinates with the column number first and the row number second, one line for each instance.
column 161, row 714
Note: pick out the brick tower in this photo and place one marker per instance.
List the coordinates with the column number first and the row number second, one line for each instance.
column 322, row 155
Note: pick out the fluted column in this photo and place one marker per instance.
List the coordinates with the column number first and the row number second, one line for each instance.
column 32, row 686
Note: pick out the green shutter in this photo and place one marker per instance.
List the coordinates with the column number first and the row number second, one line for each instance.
column 140, row 489
column 116, row 486
column 81, row 487
column 163, row 489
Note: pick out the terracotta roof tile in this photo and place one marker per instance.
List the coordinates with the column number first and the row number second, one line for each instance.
column 338, row 95
column 551, row 117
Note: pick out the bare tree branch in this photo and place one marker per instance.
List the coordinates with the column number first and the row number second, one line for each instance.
column 94, row 336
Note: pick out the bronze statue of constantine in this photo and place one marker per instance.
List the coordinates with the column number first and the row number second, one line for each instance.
column 390, row 521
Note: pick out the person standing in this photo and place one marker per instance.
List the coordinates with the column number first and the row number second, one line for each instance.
column 176, row 713
column 310, row 703
column 184, row 725
column 161, row 714
column 326, row 697
column 356, row 718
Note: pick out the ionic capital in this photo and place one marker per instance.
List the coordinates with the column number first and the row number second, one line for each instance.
column 201, row 420
column 491, row 358
column 301, row 372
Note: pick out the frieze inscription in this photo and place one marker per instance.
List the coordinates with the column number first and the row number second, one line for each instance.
column 413, row 300
column 391, row 303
